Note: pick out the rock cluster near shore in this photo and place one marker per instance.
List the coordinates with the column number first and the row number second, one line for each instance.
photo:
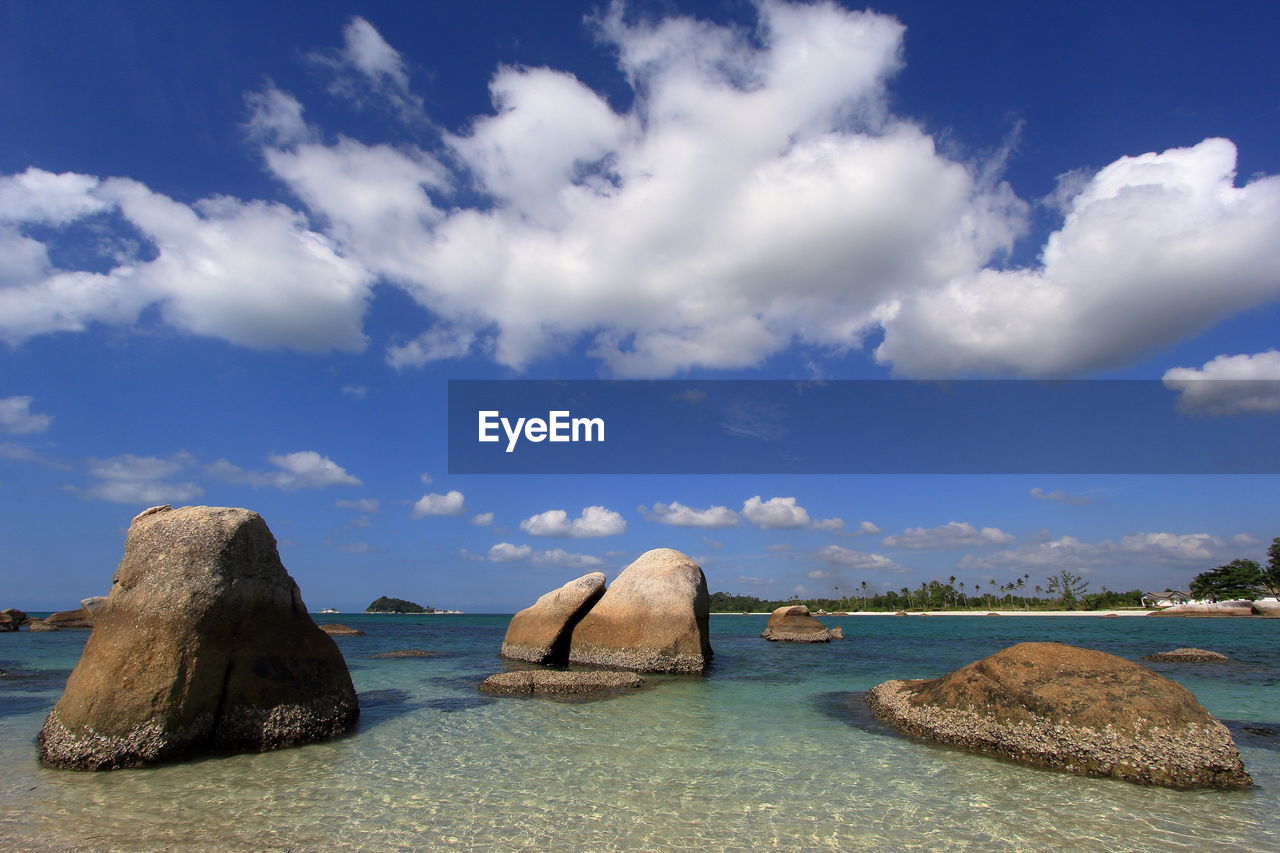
column 1188, row 656
column 794, row 624
column 1072, row 709
column 204, row 645
column 557, row 682
column 11, row 619
column 654, row 618
column 541, row 632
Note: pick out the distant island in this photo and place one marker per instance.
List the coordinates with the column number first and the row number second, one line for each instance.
column 396, row 605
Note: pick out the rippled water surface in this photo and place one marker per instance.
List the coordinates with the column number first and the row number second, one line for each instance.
column 772, row 750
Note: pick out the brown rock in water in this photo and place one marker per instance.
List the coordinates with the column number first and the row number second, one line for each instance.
column 1071, row 709
column 405, row 653
column 901, row 613
column 340, row 630
column 1188, row 656
column 11, row 619
column 793, row 624
column 70, row 619
column 205, row 645
column 40, row 625
column 557, row 682
column 654, row 618
column 541, row 632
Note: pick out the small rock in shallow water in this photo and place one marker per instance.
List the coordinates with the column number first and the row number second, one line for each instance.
column 1188, row 656
column 340, row 630
column 1072, row 709
column 405, row 653
column 556, row 682
column 793, row 624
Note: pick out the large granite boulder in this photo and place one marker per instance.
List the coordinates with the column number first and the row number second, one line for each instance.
column 540, row 633
column 1071, row 709
column 653, row 618
column 793, row 624
column 559, row 683
column 11, row 619
column 204, row 645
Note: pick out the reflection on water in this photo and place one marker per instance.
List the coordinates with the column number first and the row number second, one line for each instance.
column 774, row 749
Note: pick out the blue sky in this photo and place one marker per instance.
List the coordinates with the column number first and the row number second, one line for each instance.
column 244, row 247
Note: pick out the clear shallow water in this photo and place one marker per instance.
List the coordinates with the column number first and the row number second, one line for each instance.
column 772, row 750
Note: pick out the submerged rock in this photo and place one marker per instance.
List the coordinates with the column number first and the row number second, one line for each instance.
column 1071, row 709
column 793, row 624
column 204, row 645
column 338, row 629
column 405, row 653
column 653, row 618
column 1188, row 656
column 541, row 632
column 557, row 682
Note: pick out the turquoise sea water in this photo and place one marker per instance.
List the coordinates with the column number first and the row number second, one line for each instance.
column 771, row 750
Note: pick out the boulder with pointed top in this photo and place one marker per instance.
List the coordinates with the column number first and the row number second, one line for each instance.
column 1072, row 709
column 541, row 632
column 204, row 645
column 655, row 617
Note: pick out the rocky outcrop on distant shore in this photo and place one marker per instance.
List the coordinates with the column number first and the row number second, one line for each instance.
column 81, row 618
column 11, row 619
column 93, row 604
column 40, row 625
column 794, row 624
column 541, row 632
column 1071, row 709
column 1268, row 607
column 653, row 618
column 559, row 683
column 340, row 630
column 1218, row 609
column 205, row 645
column 1188, row 656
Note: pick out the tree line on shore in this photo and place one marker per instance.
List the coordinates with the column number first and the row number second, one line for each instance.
column 1237, row 579
column 1063, row 591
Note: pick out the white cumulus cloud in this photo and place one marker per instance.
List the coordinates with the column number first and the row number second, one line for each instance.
column 482, row 519
column 505, row 552
column 953, row 534
column 16, row 416
column 141, row 479
column 679, row 515
column 1229, row 385
column 566, row 559
column 593, row 522
column 1059, row 496
column 775, row 513
column 1183, row 549
column 848, row 558
column 450, row 503
column 304, row 469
